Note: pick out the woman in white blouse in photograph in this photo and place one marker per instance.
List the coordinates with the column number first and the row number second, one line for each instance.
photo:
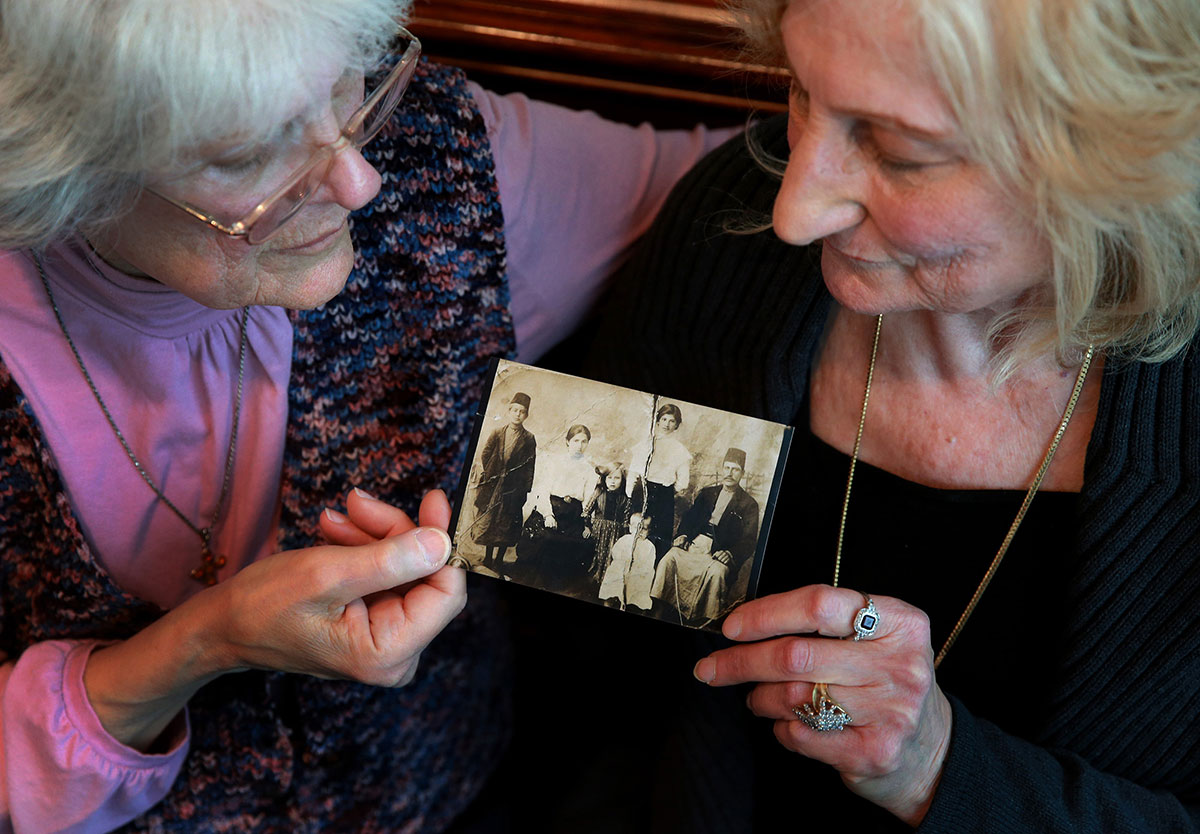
column 660, row 468
column 554, row 543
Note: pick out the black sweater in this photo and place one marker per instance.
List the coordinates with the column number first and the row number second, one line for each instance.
column 1106, row 737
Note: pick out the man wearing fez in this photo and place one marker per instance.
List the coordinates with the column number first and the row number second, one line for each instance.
column 729, row 514
column 504, row 482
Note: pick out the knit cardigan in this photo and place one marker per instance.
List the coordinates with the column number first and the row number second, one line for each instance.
column 383, row 379
column 1112, row 742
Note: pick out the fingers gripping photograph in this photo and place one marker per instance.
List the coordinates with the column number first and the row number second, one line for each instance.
column 587, row 530
column 965, row 267
column 256, row 257
column 260, row 259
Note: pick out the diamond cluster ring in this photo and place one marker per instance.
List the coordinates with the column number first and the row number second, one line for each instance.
column 824, row 713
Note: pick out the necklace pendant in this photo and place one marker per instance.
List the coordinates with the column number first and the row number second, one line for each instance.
column 206, row 574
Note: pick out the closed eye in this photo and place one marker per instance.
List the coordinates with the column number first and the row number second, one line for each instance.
column 242, row 163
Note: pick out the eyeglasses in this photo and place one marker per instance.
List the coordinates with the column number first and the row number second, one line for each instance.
column 262, row 222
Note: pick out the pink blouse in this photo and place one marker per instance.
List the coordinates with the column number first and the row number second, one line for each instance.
column 576, row 191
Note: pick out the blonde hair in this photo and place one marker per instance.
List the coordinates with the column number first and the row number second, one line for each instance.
column 97, row 96
column 1089, row 110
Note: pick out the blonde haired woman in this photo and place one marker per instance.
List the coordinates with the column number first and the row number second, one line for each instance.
column 979, row 305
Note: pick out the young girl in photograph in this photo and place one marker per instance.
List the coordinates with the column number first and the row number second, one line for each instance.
column 630, row 572
column 607, row 515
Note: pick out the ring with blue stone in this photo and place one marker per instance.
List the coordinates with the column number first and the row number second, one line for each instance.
column 866, row 621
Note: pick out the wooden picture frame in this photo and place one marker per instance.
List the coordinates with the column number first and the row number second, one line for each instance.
column 674, row 62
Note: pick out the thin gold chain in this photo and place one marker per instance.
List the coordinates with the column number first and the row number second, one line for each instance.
column 862, row 421
column 1033, row 488
column 1012, row 530
column 206, row 573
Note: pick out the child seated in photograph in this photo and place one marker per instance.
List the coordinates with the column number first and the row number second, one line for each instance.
column 630, row 572
column 691, row 582
column 606, row 516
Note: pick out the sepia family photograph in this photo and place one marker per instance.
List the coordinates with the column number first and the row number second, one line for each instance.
column 622, row 498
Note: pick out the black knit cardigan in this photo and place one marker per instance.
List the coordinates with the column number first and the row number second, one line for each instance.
column 1112, row 742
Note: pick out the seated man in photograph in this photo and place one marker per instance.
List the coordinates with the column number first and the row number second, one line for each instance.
column 729, row 515
column 691, row 583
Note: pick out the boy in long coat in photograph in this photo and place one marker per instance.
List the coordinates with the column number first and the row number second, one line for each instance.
column 507, row 476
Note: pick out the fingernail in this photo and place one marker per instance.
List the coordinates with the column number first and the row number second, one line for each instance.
column 733, row 626
column 705, row 670
column 335, row 516
column 362, row 493
column 434, row 544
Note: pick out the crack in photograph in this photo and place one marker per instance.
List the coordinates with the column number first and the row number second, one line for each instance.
column 631, row 500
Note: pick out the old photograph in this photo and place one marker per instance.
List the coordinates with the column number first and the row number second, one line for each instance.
column 622, row 498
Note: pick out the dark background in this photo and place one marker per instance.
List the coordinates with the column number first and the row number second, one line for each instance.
column 597, row 692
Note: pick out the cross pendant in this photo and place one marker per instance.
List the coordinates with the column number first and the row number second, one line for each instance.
column 209, row 563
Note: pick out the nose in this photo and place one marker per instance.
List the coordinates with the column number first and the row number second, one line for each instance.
column 823, row 186
column 351, row 181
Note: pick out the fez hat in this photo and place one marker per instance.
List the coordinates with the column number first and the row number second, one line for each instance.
column 735, row 456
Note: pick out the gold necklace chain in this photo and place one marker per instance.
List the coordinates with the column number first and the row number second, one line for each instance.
column 210, row 562
column 1012, row 530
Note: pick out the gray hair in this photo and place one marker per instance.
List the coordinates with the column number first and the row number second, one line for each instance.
column 99, row 95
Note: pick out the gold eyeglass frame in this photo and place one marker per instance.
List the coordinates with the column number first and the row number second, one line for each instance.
column 400, row 74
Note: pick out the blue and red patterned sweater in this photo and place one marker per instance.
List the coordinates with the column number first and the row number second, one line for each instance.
column 384, row 380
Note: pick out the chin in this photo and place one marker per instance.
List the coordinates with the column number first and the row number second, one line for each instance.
column 851, row 295
column 321, row 282
column 865, row 292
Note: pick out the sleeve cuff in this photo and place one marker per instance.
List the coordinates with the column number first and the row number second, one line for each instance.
column 964, row 796
column 80, row 713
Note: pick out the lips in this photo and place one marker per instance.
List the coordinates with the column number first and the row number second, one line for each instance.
column 320, row 240
column 857, row 258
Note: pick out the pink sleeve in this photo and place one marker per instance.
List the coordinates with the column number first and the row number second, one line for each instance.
column 576, row 190
column 59, row 769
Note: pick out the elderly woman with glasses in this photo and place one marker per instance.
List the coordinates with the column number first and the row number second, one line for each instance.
column 258, row 254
